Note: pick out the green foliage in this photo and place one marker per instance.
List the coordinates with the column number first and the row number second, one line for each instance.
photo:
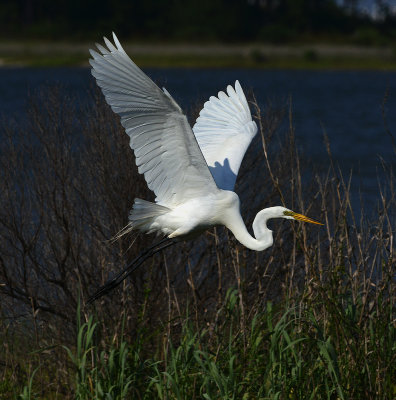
column 27, row 393
column 369, row 36
column 276, row 33
column 311, row 55
column 285, row 352
column 106, row 374
column 232, row 20
column 328, row 332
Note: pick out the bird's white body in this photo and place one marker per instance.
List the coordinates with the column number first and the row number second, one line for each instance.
column 190, row 219
column 191, row 171
column 198, row 214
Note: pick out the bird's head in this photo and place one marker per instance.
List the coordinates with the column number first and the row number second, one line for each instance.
column 260, row 228
column 289, row 214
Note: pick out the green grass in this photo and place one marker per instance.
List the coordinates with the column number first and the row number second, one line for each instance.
column 298, row 56
column 313, row 317
column 285, row 352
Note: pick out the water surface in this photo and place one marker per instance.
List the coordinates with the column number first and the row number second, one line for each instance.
column 346, row 104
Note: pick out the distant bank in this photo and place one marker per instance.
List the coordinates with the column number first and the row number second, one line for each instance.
column 253, row 55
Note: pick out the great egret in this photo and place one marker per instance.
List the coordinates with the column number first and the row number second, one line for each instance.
column 191, row 171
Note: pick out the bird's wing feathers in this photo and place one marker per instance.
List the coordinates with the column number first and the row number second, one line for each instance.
column 224, row 130
column 165, row 148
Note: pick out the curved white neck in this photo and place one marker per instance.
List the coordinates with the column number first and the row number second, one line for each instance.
column 264, row 238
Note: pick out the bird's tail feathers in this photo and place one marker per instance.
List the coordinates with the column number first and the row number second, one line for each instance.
column 142, row 218
column 143, row 213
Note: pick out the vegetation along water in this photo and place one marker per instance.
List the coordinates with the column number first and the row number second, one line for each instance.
column 313, row 317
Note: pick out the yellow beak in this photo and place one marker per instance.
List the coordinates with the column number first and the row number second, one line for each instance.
column 300, row 217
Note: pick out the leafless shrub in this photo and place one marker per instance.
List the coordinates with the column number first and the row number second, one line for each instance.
column 67, row 182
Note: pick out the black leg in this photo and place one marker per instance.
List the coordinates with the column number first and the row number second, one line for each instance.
column 139, row 260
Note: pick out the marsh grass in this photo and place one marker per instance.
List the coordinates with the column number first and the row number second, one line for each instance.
column 312, row 317
column 284, row 352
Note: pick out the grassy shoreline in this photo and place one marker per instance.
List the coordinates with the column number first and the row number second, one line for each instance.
column 312, row 317
column 251, row 55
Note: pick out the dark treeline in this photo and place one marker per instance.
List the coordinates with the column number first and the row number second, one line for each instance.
column 204, row 20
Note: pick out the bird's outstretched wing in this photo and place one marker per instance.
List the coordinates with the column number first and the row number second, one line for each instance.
column 224, row 130
column 165, row 147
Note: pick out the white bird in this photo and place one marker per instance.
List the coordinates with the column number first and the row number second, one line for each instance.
column 191, row 171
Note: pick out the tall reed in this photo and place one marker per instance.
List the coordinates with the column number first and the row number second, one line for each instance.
column 311, row 317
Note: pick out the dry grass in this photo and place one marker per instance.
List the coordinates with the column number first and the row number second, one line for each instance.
column 68, row 180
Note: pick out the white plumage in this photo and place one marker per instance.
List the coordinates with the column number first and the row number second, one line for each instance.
column 224, row 130
column 191, row 172
column 159, row 132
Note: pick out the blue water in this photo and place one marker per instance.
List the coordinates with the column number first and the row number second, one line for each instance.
column 346, row 104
